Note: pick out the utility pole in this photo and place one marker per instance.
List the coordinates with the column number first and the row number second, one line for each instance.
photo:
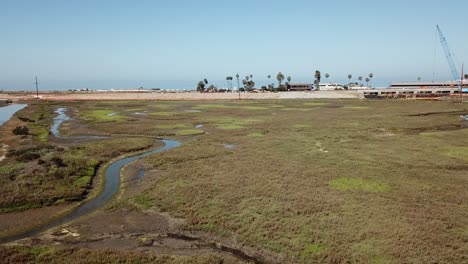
column 461, row 84
column 37, row 89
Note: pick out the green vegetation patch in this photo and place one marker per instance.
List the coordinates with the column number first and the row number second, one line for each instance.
column 212, row 106
column 253, row 107
column 257, row 134
column 43, row 255
column 297, row 109
column 188, row 132
column 15, row 208
column 313, row 250
column 35, row 251
column 40, row 132
column 355, row 107
column 458, row 153
column 82, row 181
column 8, row 169
column 372, row 251
column 229, row 123
column 229, row 126
column 143, row 201
column 171, row 126
column 163, row 113
column 101, row 116
column 315, row 104
column 357, row 184
column 223, row 106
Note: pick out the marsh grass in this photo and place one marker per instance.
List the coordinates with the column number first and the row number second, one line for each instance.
column 171, row 126
column 188, row 132
column 74, row 255
column 356, row 184
column 460, row 153
column 163, row 113
column 229, row 106
column 313, row 250
column 315, row 103
column 229, row 123
column 377, row 195
column 57, row 173
column 102, row 116
column 257, row 134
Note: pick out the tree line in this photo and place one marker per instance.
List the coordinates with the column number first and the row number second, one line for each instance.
column 248, row 83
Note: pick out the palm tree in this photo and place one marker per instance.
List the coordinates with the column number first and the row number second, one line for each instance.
column 251, row 76
column 360, row 79
column 238, row 84
column 367, row 81
column 280, row 78
column 247, row 77
column 229, row 80
column 317, row 79
column 289, row 79
column 269, row 76
column 350, row 76
column 327, row 75
column 201, row 86
column 371, row 75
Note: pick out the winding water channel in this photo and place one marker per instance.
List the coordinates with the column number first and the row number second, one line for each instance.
column 111, row 184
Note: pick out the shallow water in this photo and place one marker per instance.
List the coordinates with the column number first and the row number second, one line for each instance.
column 58, row 120
column 6, row 112
column 62, row 117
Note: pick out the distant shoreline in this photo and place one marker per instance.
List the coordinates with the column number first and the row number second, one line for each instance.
column 167, row 95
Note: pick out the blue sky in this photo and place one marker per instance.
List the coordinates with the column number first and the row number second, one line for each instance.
column 173, row 44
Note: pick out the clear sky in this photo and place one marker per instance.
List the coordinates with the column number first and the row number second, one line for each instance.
column 174, row 44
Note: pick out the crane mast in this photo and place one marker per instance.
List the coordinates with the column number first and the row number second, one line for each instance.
column 448, row 54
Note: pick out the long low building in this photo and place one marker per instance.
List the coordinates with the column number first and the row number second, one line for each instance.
column 409, row 92
column 299, row 86
column 428, row 85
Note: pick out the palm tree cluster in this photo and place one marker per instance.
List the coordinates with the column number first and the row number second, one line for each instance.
column 360, row 78
column 249, row 84
column 201, row 86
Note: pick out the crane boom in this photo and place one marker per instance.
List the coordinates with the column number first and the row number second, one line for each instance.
column 449, row 56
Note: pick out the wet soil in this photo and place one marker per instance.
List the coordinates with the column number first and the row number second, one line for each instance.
column 440, row 128
column 458, row 112
column 153, row 231
column 15, row 222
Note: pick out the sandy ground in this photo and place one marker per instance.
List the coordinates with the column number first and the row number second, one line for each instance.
column 68, row 96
